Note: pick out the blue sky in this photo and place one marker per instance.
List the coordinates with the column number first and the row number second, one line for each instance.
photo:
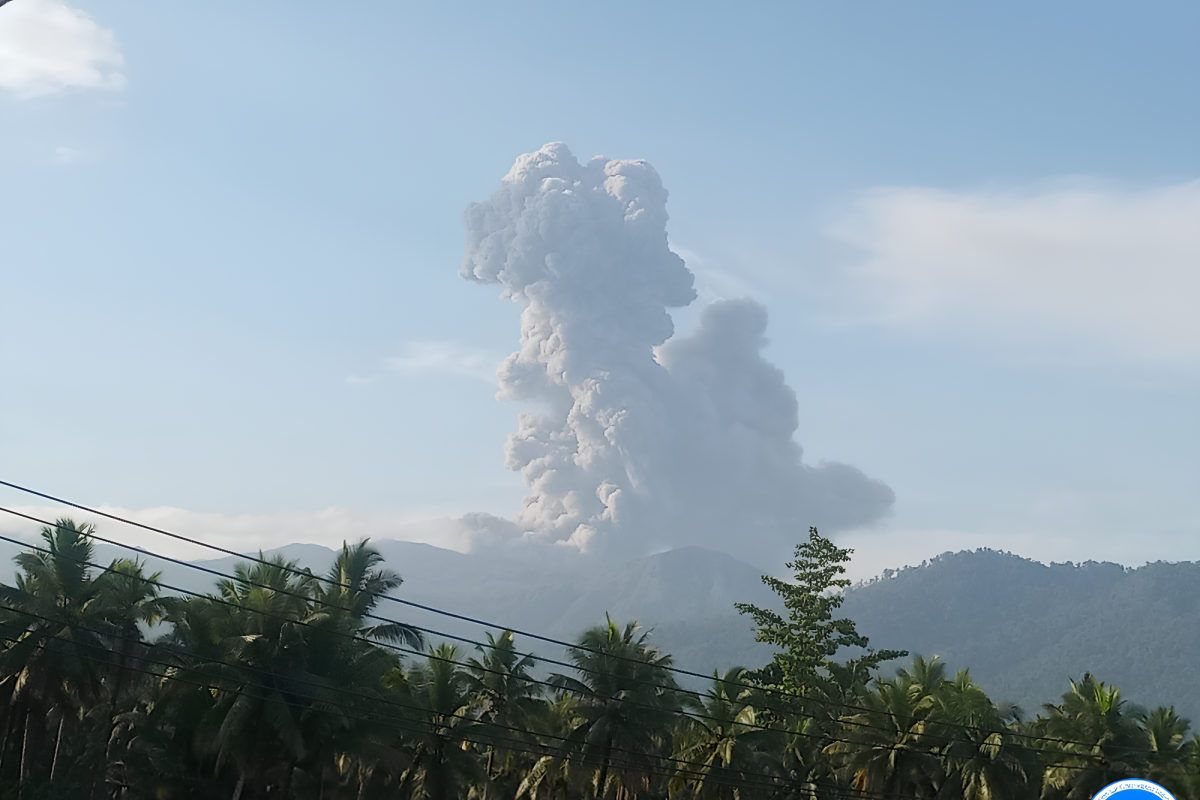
column 230, row 238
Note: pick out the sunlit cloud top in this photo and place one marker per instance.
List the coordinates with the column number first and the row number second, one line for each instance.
column 47, row 47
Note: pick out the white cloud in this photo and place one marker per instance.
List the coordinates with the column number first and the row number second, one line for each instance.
column 65, row 155
column 46, row 46
column 1079, row 269
column 244, row 533
column 447, row 358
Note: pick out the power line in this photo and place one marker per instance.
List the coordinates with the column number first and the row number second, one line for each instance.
column 475, row 621
column 770, row 781
column 409, row 651
column 741, row 778
column 434, row 610
column 308, row 575
column 824, row 736
column 208, row 598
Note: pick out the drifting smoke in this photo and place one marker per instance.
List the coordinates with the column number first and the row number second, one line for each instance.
column 632, row 451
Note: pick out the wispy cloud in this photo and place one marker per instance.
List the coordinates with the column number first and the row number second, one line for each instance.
column 46, row 46
column 447, row 358
column 65, row 155
column 245, row 533
column 1112, row 272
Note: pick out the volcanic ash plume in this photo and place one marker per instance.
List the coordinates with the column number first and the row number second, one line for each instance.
column 631, row 452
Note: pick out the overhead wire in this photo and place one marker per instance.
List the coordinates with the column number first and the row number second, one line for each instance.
column 770, row 781
column 308, row 575
column 434, row 657
column 550, row 684
column 452, row 615
column 824, row 737
column 792, row 696
column 706, row 772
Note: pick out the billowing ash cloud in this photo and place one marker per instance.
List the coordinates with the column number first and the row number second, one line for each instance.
column 633, row 451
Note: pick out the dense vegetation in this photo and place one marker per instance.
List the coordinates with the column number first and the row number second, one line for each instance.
column 1023, row 627
column 283, row 684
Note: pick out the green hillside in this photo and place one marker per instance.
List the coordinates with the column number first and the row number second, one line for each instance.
column 1023, row 627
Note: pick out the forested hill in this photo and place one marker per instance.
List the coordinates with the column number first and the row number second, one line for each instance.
column 1023, row 627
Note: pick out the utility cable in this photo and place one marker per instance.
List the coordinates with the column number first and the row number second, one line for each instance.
column 772, row 782
column 307, row 598
column 537, row 637
column 430, row 655
column 687, row 714
column 308, row 575
column 722, row 778
column 692, row 714
column 478, row 667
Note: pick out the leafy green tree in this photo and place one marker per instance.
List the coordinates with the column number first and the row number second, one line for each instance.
column 809, row 636
column 279, row 687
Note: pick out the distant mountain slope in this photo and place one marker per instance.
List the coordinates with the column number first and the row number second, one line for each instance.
column 687, row 597
column 1024, row 628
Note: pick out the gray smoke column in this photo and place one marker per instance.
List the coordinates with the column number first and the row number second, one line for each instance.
column 633, row 451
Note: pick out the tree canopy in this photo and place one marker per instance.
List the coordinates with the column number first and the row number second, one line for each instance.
column 279, row 684
column 810, row 636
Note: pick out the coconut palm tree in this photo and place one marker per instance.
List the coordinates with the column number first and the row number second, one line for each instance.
column 721, row 741
column 550, row 776
column 1166, row 736
column 1191, row 768
column 886, row 748
column 1090, row 740
column 627, row 701
column 254, row 640
column 54, row 618
column 443, row 765
column 355, row 583
column 129, row 599
column 357, row 742
column 980, row 757
column 811, row 723
column 504, row 694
